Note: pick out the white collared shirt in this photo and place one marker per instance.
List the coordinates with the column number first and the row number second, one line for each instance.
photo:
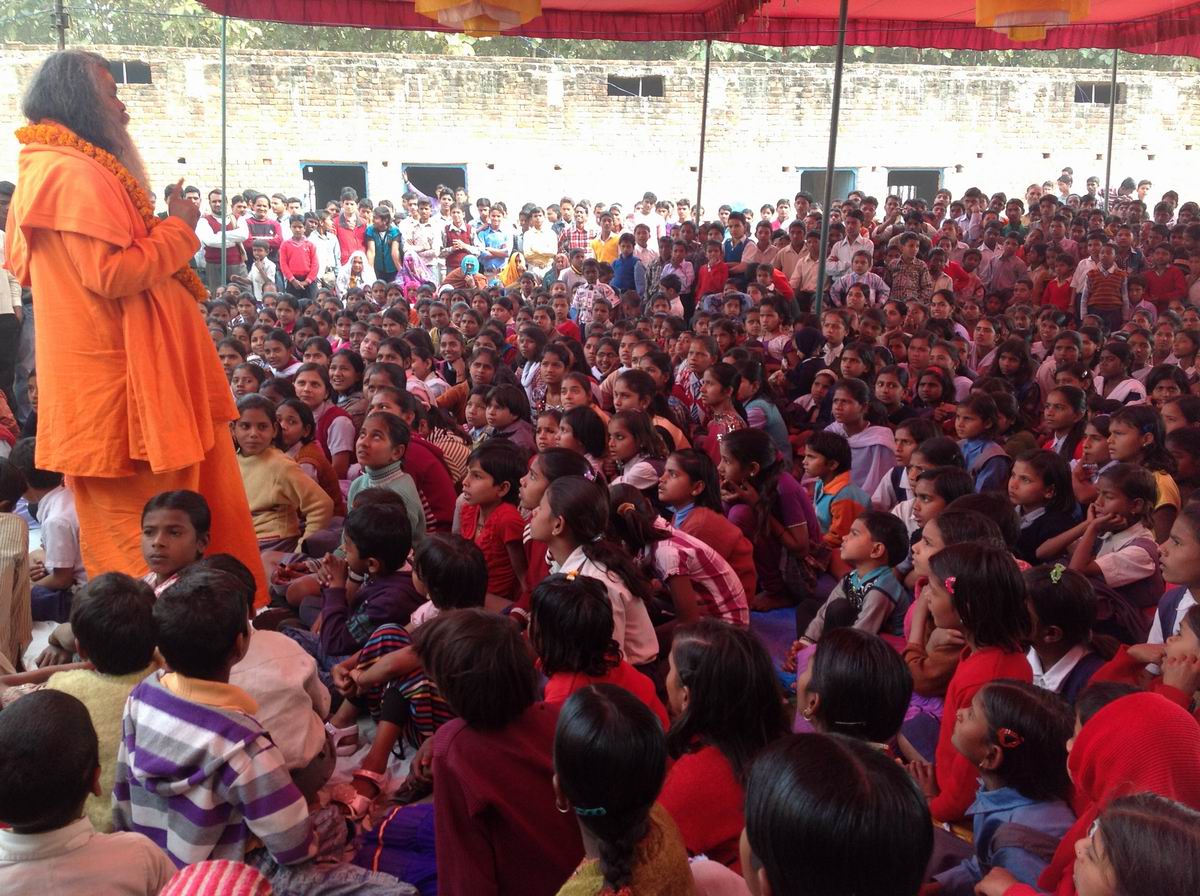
column 1052, row 679
column 632, row 629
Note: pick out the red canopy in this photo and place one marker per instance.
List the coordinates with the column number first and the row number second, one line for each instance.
column 1161, row 27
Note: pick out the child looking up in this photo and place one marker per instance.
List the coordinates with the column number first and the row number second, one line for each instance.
column 1179, row 556
column 836, row 499
column 872, row 448
column 279, row 492
column 489, row 515
column 978, row 590
column 1063, row 605
column 1016, row 735
column 113, row 625
column 1115, row 542
column 1135, row 436
column 572, row 519
column 895, row 487
column 570, row 630
column 51, row 767
column 1039, row 487
column 381, row 447
column 869, row 597
column 725, row 708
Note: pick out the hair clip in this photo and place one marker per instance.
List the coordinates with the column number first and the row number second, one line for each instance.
column 591, row 813
column 571, row 575
column 948, row 584
column 1056, row 574
column 627, row 506
column 1008, row 738
column 589, row 474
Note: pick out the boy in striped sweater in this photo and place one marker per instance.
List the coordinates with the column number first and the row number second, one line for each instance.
column 197, row 773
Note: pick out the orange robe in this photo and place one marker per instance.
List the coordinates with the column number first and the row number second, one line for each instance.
column 132, row 397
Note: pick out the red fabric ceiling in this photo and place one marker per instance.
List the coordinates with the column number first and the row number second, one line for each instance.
column 1161, row 27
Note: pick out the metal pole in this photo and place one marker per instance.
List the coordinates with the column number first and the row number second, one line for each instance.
column 827, row 202
column 703, row 128
column 226, row 206
column 60, row 24
column 1112, row 114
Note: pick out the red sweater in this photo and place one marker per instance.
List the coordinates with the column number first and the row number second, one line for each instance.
column 298, row 260
column 350, row 239
column 1162, row 288
column 957, row 779
column 1058, row 294
column 705, row 799
column 496, row 830
column 727, row 540
column 562, row 685
column 710, row 279
column 1125, row 669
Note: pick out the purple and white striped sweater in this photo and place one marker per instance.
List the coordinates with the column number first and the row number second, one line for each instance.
column 202, row 782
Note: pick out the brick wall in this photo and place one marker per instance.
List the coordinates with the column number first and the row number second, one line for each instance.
column 535, row 129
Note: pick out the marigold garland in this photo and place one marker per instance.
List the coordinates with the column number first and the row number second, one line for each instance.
column 59, row 135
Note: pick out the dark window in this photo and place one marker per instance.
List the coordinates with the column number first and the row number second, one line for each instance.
column 130, row 72
column 812, row 181
column 646, row 85
column 914, row 183
column 1099, row 92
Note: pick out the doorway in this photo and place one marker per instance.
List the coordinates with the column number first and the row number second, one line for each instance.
column 427, row 178
column 326, row 180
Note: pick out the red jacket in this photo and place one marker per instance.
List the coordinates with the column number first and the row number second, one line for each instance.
column 957, row 779
column 298, row 260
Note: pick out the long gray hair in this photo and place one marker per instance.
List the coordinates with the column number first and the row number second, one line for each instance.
column 65, row 89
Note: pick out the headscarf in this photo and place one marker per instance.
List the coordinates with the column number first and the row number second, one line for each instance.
column 1136, row 744
column 469, row 265
column 365, row 278
column 512, row 270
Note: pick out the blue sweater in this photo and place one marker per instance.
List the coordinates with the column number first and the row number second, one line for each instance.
column 628, row 273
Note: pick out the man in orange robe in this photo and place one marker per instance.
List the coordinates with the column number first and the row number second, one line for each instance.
column 133, row 400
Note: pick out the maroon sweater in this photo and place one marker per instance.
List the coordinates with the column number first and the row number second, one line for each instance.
column 497, row 831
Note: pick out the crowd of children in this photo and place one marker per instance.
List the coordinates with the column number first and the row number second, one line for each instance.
column 535, row 528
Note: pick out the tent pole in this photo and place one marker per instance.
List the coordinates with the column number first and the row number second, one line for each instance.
column 703, row 129
column 1112, row 114
column 226, row 207
column 834, row 113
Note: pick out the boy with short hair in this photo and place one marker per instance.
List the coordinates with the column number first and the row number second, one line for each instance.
column 262, row 269
column 57, row 571
column 51, row 765
column 298, row 262
column 628, row 271
column 113, row 624
column 869, row 597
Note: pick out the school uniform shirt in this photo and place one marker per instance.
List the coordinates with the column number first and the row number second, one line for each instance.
column 1069, row 675
column 1157, row 633
column 1122, row 563
column 956, row 776
column 1037, row 527
column 497, row 832
column 892, row 489
column 60, row 532
column 1129, row 389
column 503, row 525
column 705, row 799
column 632, row 629
column 639, row 473
column 77, row 859
column 991, row 811
column 562, row 685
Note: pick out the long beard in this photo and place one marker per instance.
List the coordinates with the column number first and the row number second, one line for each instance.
column 127, row 154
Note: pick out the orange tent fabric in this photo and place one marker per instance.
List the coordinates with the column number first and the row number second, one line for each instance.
column 133, row 400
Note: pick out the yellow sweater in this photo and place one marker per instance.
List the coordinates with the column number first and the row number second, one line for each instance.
column 104, row 696
column 280, row 494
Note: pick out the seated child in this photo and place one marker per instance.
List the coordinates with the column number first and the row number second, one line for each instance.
column 1039, row 486
column 282, row 679
column 489, row 516
column 16, row 620
column 570, row 630
column 47, row 845
column 113, row 625
column 1016, row 735
column 175, row 530
column 1063, row 606
column 869, row 597
column 197, row 772
column 55, row 571
column 386, row 675
column 837, row 499
column 376, row 540
column 381, row 448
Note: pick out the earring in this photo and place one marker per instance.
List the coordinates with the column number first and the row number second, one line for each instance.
column 806, row 714
column 561, row 808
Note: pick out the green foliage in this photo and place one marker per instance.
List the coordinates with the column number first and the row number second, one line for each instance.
column 184, row 23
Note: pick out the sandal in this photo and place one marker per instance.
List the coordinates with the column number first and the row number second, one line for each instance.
column 358, row 805
column 345, row 740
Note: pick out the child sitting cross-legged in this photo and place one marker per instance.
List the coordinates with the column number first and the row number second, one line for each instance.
column 386, row 675
column 113, row 624
column 47, row 844
column 196, row 771
column 837, row 499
